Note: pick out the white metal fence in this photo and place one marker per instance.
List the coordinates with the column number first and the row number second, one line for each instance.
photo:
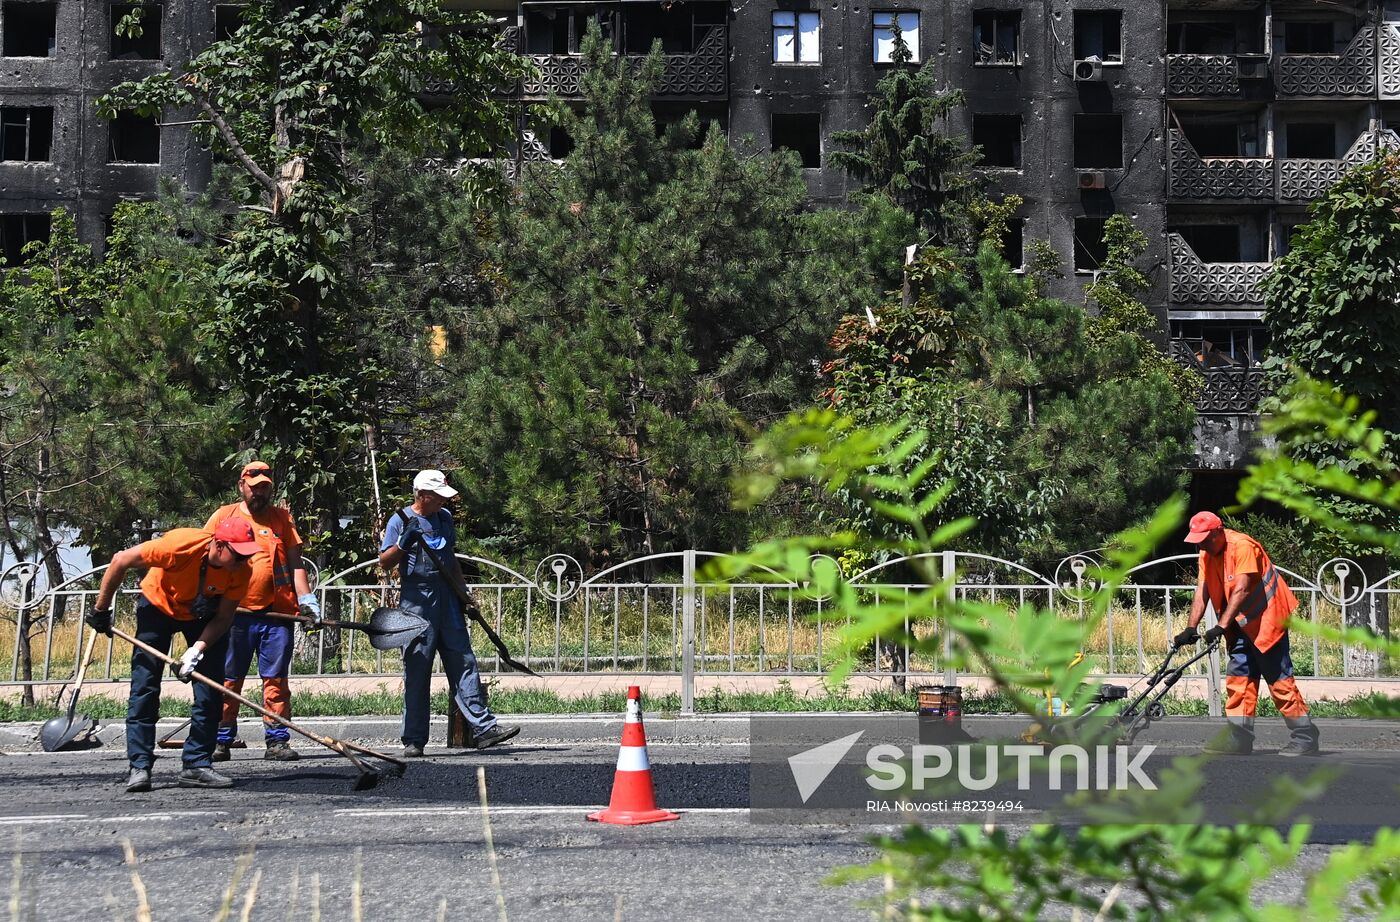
column 661, row 615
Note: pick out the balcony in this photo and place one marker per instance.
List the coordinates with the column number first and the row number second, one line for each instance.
column 1200, row 283
column 1231, row 391
column 1231, row 178
column 1351, row 73
column 1306, row 180
column 702, row 73
column 1210, row 75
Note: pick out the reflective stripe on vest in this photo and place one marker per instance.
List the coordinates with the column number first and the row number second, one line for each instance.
column 1259, row 598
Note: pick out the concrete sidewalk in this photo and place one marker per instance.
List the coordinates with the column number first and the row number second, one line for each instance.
column 730, row 730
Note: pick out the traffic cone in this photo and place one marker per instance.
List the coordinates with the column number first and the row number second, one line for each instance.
column 633, row 798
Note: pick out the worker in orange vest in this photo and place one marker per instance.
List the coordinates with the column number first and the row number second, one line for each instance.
column 1252, row 604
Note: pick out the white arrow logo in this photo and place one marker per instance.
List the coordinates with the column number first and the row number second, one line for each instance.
column 810, row 768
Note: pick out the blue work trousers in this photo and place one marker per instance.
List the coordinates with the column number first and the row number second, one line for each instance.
column 156, row 628
column 446, row 637
column 273, row 641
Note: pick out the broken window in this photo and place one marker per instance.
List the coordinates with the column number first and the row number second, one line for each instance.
column 26, row 133
column 679, row 27
column 796, row 37
column 1090, row 251
column 1098, row 141
column 996, row 36
column 885, row 24
column 227, row 18
column 800, row 132
column 546, row 31
column 1310, row 140
column 560, row 143
column 16, row 230
column 1013, row 248
column 29, row 29
column 1212, row 243
column 1309, row 38
column 1223, row 343
column 144, row 43
column 1201, row 38
column 133, row 138
column 1098, row 34
column 1221, row 138
column 999, row 136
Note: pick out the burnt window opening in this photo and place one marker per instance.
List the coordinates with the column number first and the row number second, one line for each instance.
column 999, row 136
column 26, row 133
column 560, row 143
column 1090, row 251
column 996, row 36
column 680, row 27
column 142, row 47
column 1098, row 141
column 883, row 25
column 1212, row 243
column 547, row 31
column 1309, row 38
column 801, row 132
column 17, row 230
column 1223, row 343
column 1310, row 141
column 1099, row 34
column 1201, row 38
column 1013, row 243
column 1213, row 138
column 133, row 138
column 227, row 19
column 797, row 37
column 30, row 29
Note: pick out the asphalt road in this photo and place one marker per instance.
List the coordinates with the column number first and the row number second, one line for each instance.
column 415, row 847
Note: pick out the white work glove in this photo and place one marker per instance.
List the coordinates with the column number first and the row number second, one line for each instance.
column 310, row 606
column 188, row 662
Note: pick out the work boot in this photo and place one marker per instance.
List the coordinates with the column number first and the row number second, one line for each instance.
column 1297, row 747
column 139, row 781
column 280, row 751
column 1229, row 743
column 221, row 753
column 497, row 734
column 204, row 778
column 412, row 751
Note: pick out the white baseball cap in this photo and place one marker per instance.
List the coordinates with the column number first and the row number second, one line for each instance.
column 434, row 482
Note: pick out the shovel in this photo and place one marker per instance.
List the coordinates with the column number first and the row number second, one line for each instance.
column 62, row 732
column 368, row 776
column 388, row 628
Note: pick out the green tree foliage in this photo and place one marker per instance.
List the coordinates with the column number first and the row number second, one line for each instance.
column 658, row 291
column 290, row 100
column 1056, row 427
column 906, row 154
column 1332, row 302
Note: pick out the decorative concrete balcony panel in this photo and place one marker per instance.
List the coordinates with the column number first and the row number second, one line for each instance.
column 1389, row 76
column 1351, row 73
column 1201, row 283
column 1306, row 180
column 703, row 72
column 1227, row 391
column 1230, row 178
column 1202, row 75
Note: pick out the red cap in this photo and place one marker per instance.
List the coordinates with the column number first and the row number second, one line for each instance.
column 238, row 535
column 256, row 472
column 1202, row 524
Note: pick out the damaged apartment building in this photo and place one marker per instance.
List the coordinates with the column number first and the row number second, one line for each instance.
column 1210, row 124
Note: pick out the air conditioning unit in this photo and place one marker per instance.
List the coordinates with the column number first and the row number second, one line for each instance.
column 1088, row 69
column 1252, row 66
column 1092, row 179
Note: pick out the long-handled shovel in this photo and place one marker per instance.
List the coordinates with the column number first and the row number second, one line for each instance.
column 388, row 628
column 368, row 777
column 63, row 731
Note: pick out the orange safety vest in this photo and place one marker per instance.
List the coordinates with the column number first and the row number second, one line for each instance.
column 1264, row 615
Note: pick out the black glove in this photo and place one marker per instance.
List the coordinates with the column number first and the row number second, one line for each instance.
column 1214, row 634
column 100, row 620
column 409, row 536
column 1185, row 639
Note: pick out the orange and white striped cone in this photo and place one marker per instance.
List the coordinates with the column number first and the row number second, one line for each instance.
column 633, row 797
